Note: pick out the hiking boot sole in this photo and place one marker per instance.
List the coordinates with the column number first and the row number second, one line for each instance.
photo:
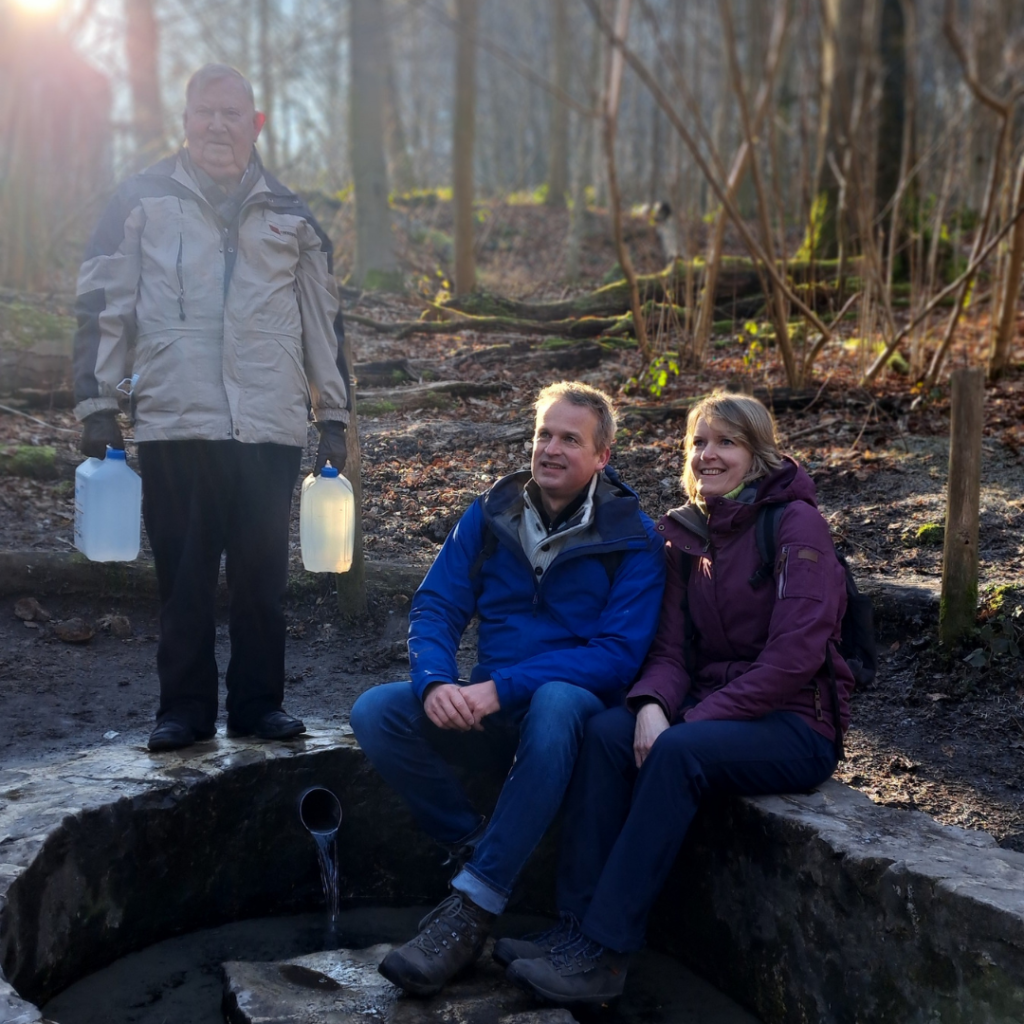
column 541, row 991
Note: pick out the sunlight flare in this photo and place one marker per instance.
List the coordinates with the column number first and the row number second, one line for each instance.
column 40, row 7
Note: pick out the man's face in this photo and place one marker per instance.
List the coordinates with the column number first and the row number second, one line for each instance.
column 564, row 454
column 221, row 126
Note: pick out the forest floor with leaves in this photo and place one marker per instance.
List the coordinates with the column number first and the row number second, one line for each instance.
column 940, row 731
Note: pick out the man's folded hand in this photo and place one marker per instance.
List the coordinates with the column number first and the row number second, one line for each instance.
column 447, row 707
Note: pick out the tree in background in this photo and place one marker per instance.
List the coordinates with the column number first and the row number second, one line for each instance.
column 55, row 152
column 463, row 122
column 142, row 53
column 558, row 133
column 375, row 263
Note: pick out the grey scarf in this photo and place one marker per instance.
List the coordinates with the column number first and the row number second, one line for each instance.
column 226, row 204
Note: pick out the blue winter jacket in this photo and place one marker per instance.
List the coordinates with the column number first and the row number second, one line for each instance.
column 587, row 620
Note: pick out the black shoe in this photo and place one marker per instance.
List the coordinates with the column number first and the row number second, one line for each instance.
column 173, row 734
column 452, row 941
column 274, row 725
column 583, row 971
column 530, row 947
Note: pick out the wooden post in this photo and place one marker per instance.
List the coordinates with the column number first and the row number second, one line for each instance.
column 959, row 605
column 352, row 584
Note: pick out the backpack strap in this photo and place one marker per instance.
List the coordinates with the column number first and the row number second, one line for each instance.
column 689, row 630
column 833, row 688
column 766, row 533
column 487, row 550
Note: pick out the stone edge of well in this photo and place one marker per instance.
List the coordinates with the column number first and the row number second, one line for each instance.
column 968, row 864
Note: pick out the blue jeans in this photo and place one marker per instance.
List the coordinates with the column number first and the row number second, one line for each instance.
column 623, row 827
column 540, row 740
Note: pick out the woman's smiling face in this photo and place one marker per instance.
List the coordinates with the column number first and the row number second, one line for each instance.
column 719, row 461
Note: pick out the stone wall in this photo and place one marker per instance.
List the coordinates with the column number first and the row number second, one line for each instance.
column 818, row 908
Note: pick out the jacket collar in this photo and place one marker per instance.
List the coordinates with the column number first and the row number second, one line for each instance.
column 616, row 506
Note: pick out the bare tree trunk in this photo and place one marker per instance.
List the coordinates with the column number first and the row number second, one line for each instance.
column 558, row 133
column 333, row 116
column 142, row 51
column 400, row 168
column 1003, row 108
column 779, row 308
column 375, row 264
column 267, row 83
column 611, row 110
column 740, row 163
column 351, row 585
column 1006, row 331
column 468, row 13
column 892, row 121
column 583, row 162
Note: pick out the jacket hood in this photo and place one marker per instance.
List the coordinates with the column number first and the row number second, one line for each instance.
column 790, row 482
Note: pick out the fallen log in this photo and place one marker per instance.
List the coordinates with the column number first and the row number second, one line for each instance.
column 383, row 371
column 737, row 279
column 583, row 356
column 585, row 327
column 436, row 395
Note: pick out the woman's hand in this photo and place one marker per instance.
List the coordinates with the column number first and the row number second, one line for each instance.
column 650, row 724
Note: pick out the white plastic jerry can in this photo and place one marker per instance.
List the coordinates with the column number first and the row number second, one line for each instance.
column 327, row 522
column 108, row 509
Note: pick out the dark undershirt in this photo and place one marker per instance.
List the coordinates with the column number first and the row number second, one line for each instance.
column 564, row 516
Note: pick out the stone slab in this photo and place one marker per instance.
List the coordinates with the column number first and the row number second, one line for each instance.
column 343, row 987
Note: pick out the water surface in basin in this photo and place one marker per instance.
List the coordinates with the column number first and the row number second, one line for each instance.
column 180, row 980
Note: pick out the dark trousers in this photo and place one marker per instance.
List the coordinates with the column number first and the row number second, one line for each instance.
column 623, row 827
column 202, row 499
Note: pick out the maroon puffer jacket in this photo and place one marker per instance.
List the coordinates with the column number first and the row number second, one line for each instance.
column 759, row 649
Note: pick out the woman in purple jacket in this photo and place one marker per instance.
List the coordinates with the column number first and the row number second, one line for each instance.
column 735, row 697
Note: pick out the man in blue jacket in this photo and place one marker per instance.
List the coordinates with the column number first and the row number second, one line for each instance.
column 565, row 574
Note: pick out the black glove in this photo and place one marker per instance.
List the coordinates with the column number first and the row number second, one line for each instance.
column 99, row 430
column 332, row 446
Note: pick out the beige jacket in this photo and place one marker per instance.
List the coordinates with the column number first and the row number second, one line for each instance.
column 247, row 360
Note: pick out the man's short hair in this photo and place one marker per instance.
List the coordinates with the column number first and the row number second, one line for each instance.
column 213, row 72
column 590, row 398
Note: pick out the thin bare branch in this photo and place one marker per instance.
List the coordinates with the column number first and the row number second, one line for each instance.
column 756, row 251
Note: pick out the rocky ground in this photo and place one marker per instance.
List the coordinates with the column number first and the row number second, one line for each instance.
column 940, row 731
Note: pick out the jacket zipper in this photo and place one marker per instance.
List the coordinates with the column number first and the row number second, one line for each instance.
column 783, row 563
column 181, row 280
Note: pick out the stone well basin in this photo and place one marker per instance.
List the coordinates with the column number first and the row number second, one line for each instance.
column 817, row 908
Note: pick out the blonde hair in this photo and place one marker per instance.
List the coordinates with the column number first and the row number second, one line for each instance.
column 584, row 395
column 750, row 424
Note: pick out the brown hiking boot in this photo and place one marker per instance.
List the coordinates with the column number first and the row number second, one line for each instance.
column 582, row 971
column 530, row 947
column 451, row 939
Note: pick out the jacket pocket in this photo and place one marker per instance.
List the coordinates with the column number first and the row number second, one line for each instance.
column 801, row 572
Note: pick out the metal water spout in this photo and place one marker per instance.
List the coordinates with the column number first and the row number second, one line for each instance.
column 320, row 814
column 320, row 811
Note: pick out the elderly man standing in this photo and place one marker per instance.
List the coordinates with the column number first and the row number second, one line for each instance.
column 217, row 279
column 565, row 574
